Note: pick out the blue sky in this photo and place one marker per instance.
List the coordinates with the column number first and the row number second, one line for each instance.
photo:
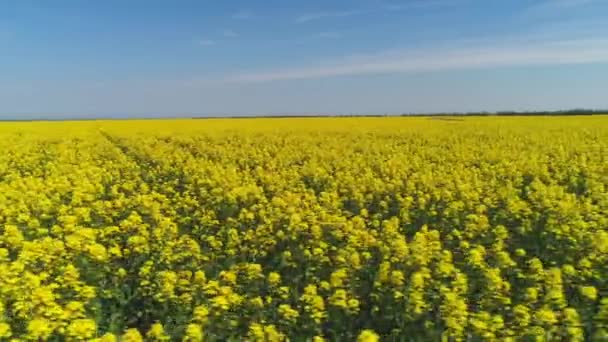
column 76, row 58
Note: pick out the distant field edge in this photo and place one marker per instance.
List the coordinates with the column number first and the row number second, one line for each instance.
column 603, row 113
column 312, row 116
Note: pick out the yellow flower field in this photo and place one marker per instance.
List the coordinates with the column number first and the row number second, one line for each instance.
column 351, row 229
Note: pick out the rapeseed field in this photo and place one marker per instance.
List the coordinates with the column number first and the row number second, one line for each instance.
column 310, row 229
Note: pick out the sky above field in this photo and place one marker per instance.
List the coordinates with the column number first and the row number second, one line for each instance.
column 121, row 58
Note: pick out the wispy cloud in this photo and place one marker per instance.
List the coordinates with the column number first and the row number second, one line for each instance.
column 321, row 15
column 330, row 35
column 563, row 4
column 206, row 42
column 557, row 6
column 230, row 34
column 422, row 4
column 477, row 56
column 226, row 34
column 243, row 15
column 419, row 4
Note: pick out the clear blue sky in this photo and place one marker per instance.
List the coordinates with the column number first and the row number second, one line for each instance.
column 81, row 58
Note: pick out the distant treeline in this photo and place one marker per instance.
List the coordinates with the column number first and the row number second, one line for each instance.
column 516, row 113
column 570, row 112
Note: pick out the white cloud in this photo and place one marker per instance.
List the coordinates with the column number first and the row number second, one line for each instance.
column 565, row 3
column 556, row 6
column 230, row 34
column 422, row 4
column 330, row 35
column 575, row 51
column 206, row 42
column 419, row 4
column 243, row 15
column 321, row 15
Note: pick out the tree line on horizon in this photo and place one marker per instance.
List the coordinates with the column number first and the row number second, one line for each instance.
column 570, row 112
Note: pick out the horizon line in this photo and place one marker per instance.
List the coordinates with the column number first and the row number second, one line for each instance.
column 505, row 113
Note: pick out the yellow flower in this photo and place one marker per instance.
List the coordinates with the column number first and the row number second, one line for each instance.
column 229, row 277
column 338, row 299
column 5, row 330
column 264, row 333
column 588, row 292
column 108, row 337
column 397, row 278
column 288, row 313
column 43, row 296
column 368, row 336
column 338, row 277
column 131, row 335
column 274, row 278
column 98, row 252
column 200, row 314
column 75, row 309
column 284, row 292
column 254, row 271
column 545, row 316
column 194, row 333
column 257, row 302
column 256, row 332
column 82, row 329
column 199, row 277
column 157, row 333
column 353, row 305
column 272, row 334
column 39, row 329
column 115, row 251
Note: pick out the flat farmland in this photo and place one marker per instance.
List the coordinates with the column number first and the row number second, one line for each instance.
column 305, row 229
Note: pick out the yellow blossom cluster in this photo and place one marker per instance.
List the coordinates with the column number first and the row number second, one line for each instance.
column 351, row 229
